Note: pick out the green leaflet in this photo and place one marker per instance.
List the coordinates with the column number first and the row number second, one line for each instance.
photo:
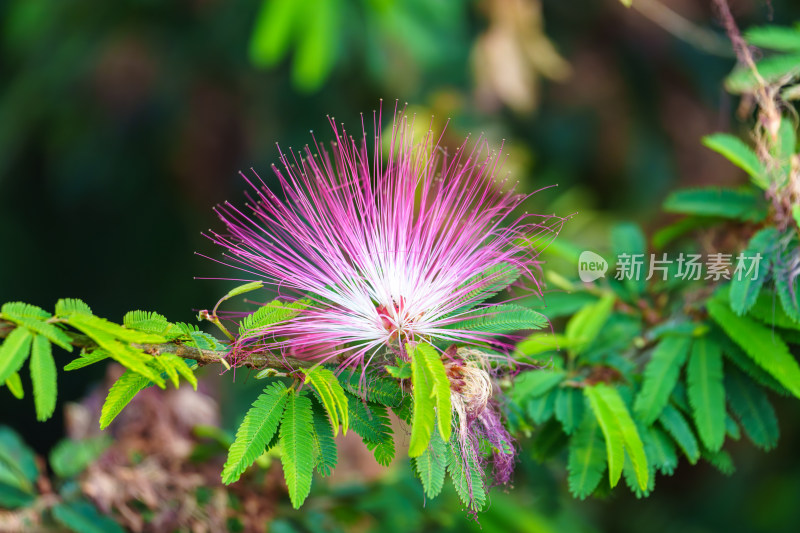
column 569, row 408
column 67, row 306
column 31, row 317
column 86, row 359
column 771, row 69
column 324, row 443
column 14, row 384
column 585, row 325
column 676, row 425
column 619, row 431
column 706, row 392
column 721, row 460
column 788, row 291
column 767, row 310
column 431, row 388
column 371, row 422
column 82, row 517
column 431, row 466
column 297, row 446
column 43, row 376
column 256, row 430
column 503, row 318
column 753, row 409
column 466, row 476
column 781, row 38
column 629, row 474
column 660, row 377
column 109, row 336
column 332, row 395
column 174, row 365
column 271, row 313
column 540, row 408
column 744, row 289
column 120, row 394
column 375, row 389
column 765, row 348
column 716, row 201
column 14, row 351
column 148, row 322
column 535, row 383
column 71, row 457
column 273, row 30
column 738, row 153
column 660, row 450
column 587, row 457
column 487, row 284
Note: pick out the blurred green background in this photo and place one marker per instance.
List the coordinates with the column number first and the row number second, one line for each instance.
column 122, row 123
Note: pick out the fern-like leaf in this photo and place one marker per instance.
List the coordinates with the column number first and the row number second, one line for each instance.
column 753, row 409
column 87, row 358
column 324, row 443
column 14, row 351
column 587, row 457
column 765, row 348
column 375, row 389
column 660, row 450
column 371, row 422
column 146, row 322
column 256, row 430
column 120, row 394
column 466, row 475
column 297, row 447
column 485, row 285
column 67, row 306
column 660, row 377
column 431, row 466
column 43, row 376
column 505, row 318
column 706, row 392
column 678, row 428
column 331, row 394
column 272, row 313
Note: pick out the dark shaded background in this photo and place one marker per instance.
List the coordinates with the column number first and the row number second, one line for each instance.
column 122, row 123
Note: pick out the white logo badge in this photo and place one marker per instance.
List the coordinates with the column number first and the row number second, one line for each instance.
column 591, row 266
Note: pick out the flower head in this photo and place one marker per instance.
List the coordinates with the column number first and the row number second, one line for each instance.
column 388, row 241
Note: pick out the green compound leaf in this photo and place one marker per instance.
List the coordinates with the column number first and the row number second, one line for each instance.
column 272, row 313
column 431, row 466
column 87, row 358
column 678, row 428
column 764, row 347
column 504, row 318
column 43, row 376
column 660, row 377
column 324, row 443
column 744, row 288
column 431, row 389
column 174, row 366
column 620, row 433
column 487, row 284
column 715, row 201
column 31, row 317
column 146, row 322
column 706, row 392
column 781, row 38
column 120, row 394
column 753, row 409
column 297, row 446
column 466, row 475
column 67, row 306
column 14, row 384
column 535, row 383
column 371, row 423
column 333, row 397
column 587, row 457
column 585, row 325
column 569, row 408
column 771, row 69
column 256, row 430
column 738, row 153
column 660, row 450
column 374, row 389
column 14, row 351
